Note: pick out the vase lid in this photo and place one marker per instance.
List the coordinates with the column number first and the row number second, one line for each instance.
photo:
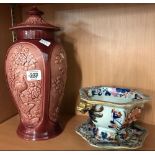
column 35, row 21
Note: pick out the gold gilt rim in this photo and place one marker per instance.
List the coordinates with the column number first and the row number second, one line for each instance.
column 113, row 104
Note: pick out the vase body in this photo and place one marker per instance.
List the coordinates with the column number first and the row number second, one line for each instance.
column 36, row 74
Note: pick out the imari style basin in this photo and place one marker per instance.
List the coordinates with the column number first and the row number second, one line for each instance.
column 112, row 116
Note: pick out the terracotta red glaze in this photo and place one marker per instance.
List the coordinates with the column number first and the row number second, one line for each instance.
column 37, row 100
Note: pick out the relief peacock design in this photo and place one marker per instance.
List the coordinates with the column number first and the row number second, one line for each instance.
column 27, row 94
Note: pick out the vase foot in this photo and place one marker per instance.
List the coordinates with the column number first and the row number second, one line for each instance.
column 134, row 141
column 39, row 134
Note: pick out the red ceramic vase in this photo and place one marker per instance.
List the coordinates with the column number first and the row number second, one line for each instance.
column 36, row 74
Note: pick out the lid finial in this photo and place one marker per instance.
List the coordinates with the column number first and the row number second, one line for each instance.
column 35, row 11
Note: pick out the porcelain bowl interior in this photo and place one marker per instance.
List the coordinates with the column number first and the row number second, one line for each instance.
column 112, row 94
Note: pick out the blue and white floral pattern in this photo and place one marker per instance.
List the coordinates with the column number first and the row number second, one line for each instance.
column 98, row 92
